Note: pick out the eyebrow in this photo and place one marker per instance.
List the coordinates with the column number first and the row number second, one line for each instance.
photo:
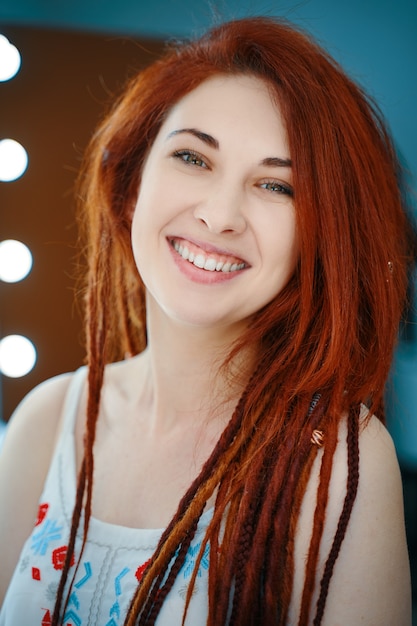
column 208, row 139
column 213, row 143
column 276, row 162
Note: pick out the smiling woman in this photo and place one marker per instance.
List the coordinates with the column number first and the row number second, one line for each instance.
column 219, row 173
column 221, row 459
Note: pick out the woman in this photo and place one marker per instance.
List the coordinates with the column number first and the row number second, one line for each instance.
column 247, row 270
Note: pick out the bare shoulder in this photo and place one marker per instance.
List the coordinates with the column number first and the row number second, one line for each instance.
column 24, row 462
column 35, row 420
column 371, row 580
column 371, row 577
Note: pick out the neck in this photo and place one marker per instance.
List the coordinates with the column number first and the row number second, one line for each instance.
column 186, row 378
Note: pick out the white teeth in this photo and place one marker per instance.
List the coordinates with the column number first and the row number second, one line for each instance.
column 199, row 261
column 210, row 264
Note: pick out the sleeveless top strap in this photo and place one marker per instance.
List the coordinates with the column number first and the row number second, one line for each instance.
column 72, row 399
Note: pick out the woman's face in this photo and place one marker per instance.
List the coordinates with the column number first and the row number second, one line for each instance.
column 214, row 230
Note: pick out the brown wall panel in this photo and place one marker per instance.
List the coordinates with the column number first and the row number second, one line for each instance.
column 52, row 106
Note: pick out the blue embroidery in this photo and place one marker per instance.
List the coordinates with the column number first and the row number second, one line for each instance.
column 73, row 599
column 71, row 615
column 88, row 575
column 115, row 609
column 191, row 558
column 117, row 585
column 41, row 540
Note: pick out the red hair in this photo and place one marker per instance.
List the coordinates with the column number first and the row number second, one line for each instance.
column 331, row 330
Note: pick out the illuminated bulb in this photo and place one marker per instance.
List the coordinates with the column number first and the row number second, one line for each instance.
column 15, row 261
column 13, row 160
column 9, row 59
column 17, row 356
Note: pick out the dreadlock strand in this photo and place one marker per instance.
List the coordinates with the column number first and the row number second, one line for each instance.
column 245, row 592
column 351, row 492
column 211, row 539
column 243, row 522
column 95, row 383
column 271, row 556
column 218, row 595
column 239, row 545
column 318, row 523
column 173, row 572
column 286, row 477
column 71, row 545
column 84, row 483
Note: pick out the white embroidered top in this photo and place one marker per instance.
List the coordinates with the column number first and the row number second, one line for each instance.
column 112, row 563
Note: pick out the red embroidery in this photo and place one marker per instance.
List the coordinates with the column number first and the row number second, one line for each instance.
column 58, row 557
column 36, row 573
column 47, row 620
column 42, row 511
column 141, row 569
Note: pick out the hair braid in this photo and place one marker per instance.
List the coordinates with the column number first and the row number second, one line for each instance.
column 97, row 348
column 159, row 593
column 243, row 549
column 253, row 558
column 253, row 552
column 236, row 495
column 287, row 487
column 71, row 543
column 318, row 523
column 352, row 488
column 218, row 556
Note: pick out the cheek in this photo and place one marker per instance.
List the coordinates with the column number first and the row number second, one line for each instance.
column 157, row 203
column 140, row 231
column 281, row 242
column 145, row 212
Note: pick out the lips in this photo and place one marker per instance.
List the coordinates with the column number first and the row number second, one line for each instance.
column 207, row 260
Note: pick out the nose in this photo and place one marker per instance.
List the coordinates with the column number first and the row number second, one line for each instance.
column 222, row 211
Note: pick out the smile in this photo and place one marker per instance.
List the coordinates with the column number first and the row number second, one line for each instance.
column 207, row 261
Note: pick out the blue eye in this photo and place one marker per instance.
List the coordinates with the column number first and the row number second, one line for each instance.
column 275, row 187
column 190, row 157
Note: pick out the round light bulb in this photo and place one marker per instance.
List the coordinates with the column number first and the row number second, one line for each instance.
column 15, row 261
column 10, row 59
column 13, row 160
column 17, row 356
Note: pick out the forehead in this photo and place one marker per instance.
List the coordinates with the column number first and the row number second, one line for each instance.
column 229, row 106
